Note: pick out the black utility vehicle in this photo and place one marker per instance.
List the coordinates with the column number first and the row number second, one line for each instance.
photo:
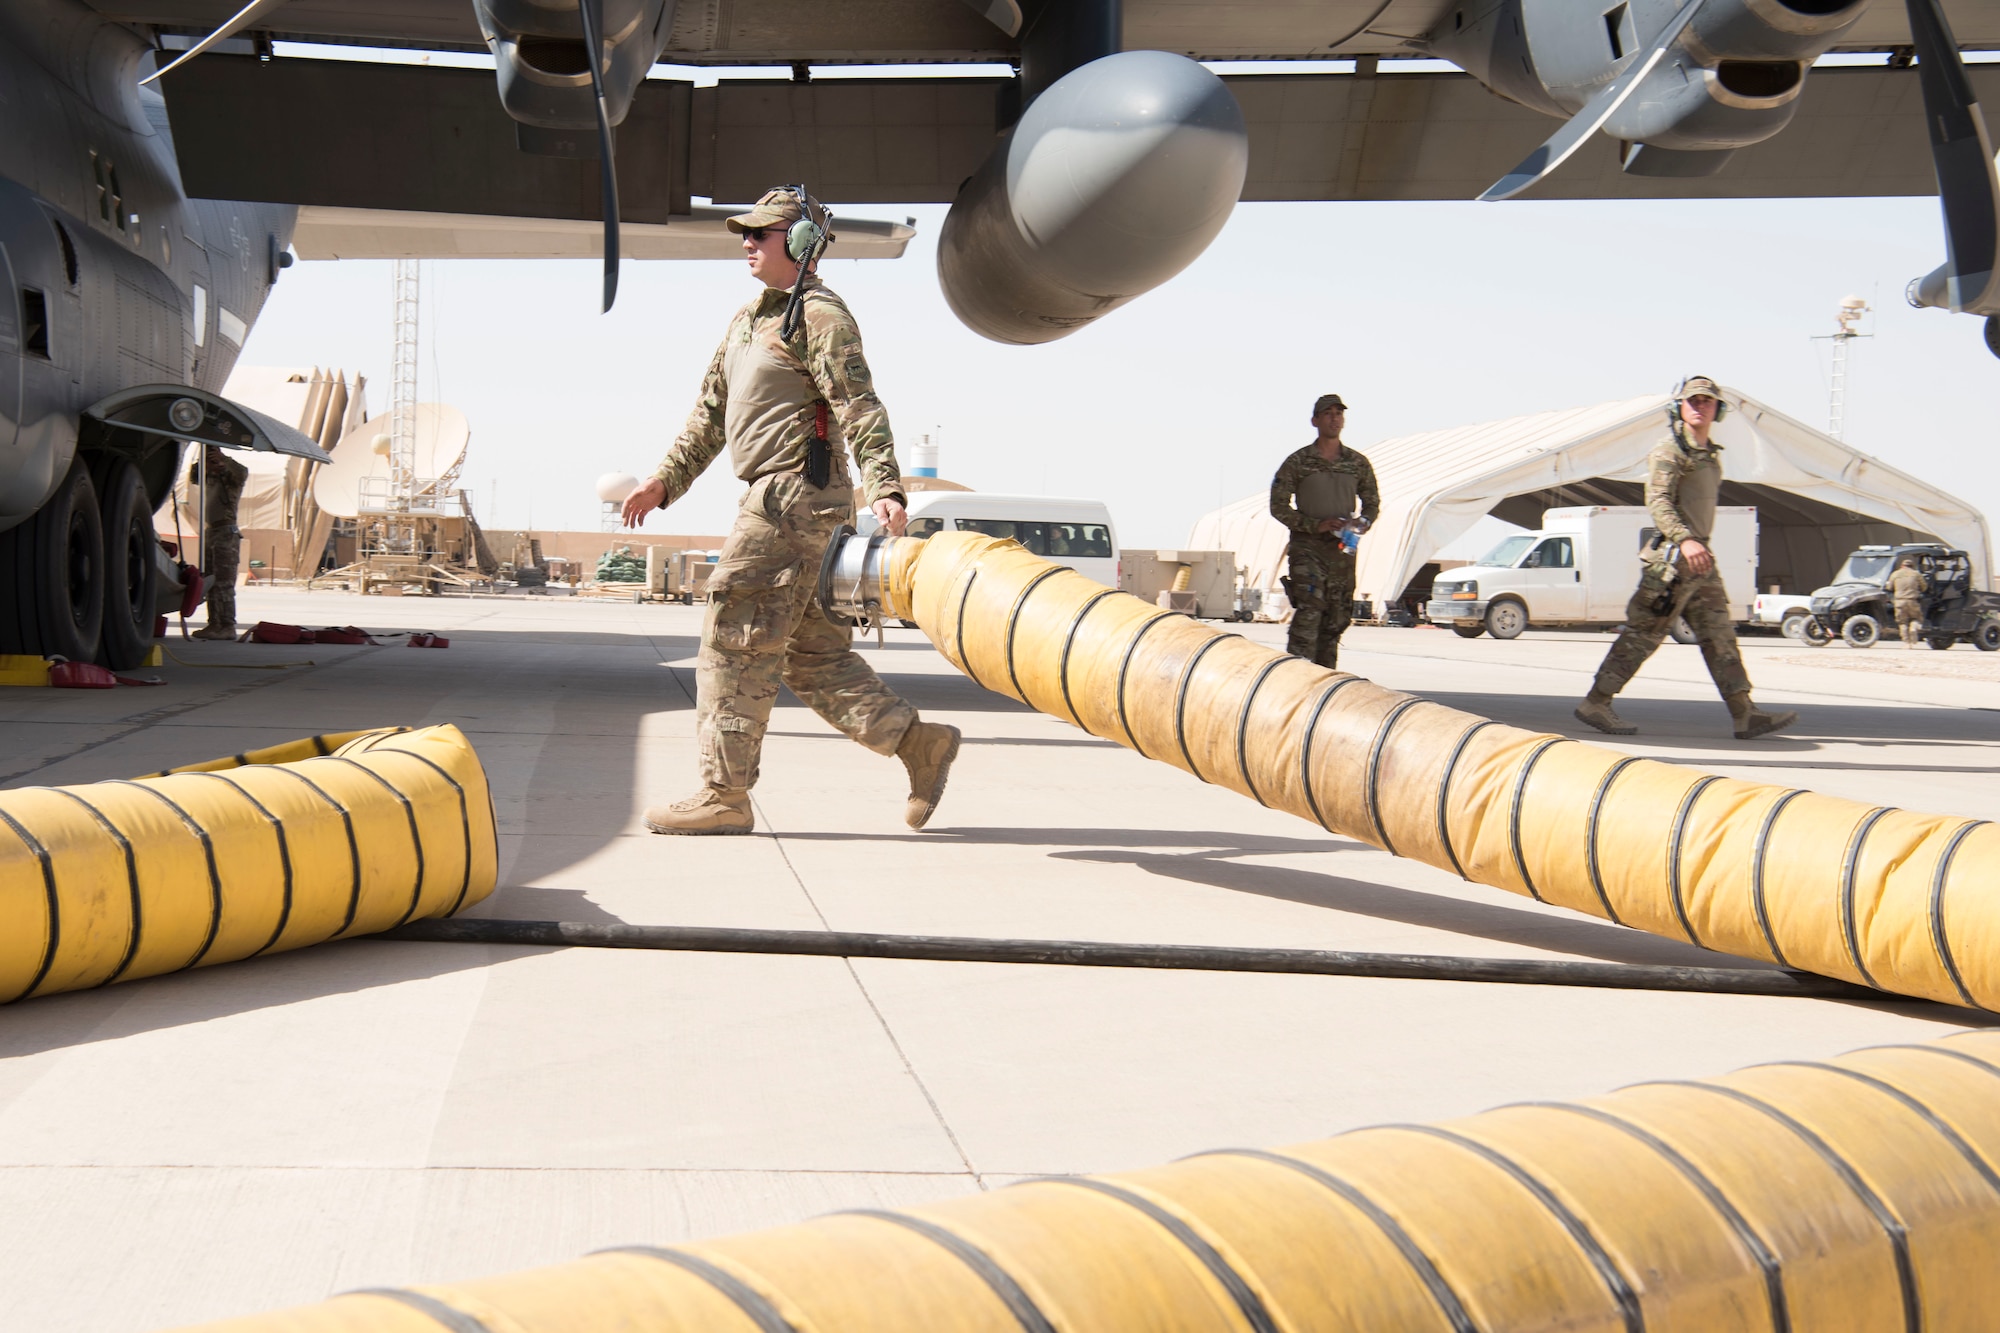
column 1857, row 607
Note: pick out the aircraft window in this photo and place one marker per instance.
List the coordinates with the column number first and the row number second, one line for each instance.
column 920, row 528
column 1555, row 553
column 166, row 246
column 110, row 200
column 200, row 314
column 34, row 323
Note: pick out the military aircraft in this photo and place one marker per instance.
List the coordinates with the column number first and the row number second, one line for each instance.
column 1099, row 168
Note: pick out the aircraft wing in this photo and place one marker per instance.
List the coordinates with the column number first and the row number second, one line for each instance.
column 342, row 136
column 778, row 32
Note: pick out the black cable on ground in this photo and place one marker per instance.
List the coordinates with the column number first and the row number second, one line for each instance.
column 1091, row 953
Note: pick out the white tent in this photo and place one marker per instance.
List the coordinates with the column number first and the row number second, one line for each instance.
column 1817, row 498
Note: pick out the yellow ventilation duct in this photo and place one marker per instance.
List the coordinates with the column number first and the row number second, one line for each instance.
column 1858, row 1193
column 1892, row 899
column 271, row 850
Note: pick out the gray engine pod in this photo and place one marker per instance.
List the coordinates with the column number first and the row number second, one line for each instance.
column 1116, row 179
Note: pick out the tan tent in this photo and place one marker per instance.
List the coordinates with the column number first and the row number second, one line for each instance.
column 1816, row 497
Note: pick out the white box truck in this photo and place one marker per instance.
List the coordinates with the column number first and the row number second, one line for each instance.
column 1580, row 569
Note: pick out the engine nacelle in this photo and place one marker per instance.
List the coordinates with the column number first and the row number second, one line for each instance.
column 544, row 71
column 1732, row 78
column 1113, row 181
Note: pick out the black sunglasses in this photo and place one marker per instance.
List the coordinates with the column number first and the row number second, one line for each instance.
column 757, row 233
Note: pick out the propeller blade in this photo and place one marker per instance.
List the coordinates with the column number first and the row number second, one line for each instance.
column 243, row 18
column 1962, row 153
column 1590, row 120
column 592, row 14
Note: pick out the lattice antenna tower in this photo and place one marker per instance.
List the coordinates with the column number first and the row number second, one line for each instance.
column 403, row 390
column 1852, row 308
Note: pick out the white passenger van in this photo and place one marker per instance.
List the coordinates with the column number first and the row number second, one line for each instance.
column 1077, row 533
column 1580, row 569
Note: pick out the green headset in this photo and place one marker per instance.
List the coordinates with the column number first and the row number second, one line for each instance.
column 806, row 238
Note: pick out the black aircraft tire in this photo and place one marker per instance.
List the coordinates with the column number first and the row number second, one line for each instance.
column 129, row 578
column 52, row 575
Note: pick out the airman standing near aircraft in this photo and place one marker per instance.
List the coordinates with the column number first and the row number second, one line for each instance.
column 784, row 408
column 222, row 479
column 1906, row 586
column 1679, row 576
column 1316, row 494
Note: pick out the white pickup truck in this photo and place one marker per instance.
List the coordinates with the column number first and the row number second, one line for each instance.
column 1580, row 569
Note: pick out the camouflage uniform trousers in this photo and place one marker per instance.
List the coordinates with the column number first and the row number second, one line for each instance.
column 1909, row 611
column 1705, row 603
column 221, row 540
column 1321, row 587
column 764, row 626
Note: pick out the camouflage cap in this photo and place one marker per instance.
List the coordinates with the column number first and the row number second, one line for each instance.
column 778, row 208
column 1700, row 385
column 1326, row 400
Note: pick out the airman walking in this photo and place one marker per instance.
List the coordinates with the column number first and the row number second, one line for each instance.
column 1906, row 588
column 1325, row 494
column 1678, row 573
column 788, row 410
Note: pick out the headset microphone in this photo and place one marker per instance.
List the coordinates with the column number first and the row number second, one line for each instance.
column 805, row 241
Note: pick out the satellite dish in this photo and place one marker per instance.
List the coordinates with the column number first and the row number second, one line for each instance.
column 613, row 487
column 381, row 446
column 441, row 436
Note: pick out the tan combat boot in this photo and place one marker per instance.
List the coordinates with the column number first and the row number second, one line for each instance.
column 213, row 631
column 1752, row 721
column 710, row 810
column 1596, row 711
column 927, row 750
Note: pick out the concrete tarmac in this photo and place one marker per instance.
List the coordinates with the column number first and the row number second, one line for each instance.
column 372, row 1113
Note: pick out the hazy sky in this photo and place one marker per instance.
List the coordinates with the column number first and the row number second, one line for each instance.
column 1422, row 315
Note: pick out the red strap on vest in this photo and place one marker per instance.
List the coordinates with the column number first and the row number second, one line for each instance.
column 819, row 419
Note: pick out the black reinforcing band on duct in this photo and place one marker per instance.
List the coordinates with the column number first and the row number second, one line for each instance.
column 1514, row 813
column 1614, row 1278
column 208, row 851
column 1767, row 1261
column 464, row 818
column 752, row 1303
column 1370, row 798
column 1939, row 939
column 1762, row 846
column 445, row 1316
column 137, row 905
column 284, row 860
column 997, row 1279
column 53, row 898
column 1448, row 1303
column 1243, row 728
column 1748, row 980
column 958, row 634
column 1590, row 835
column 1444, row 796
column 1676, row 896
column 1125, row 667
column 1892, row 1228
column 1248, row 1303
column 1014, row 620
column 1306, row 748
column 353, row 846
column 1180, row 700
column 1069, row 642
column 416, row 833
column 1849, row 928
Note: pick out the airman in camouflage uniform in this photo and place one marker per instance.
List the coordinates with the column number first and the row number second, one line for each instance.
column 1906, row 590
column 1678, row 574
column 1316, row 495
column 766, row 399
column 222, row 479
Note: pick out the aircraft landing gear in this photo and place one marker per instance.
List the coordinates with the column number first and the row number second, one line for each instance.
column 52, row 575
column 129, row 569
